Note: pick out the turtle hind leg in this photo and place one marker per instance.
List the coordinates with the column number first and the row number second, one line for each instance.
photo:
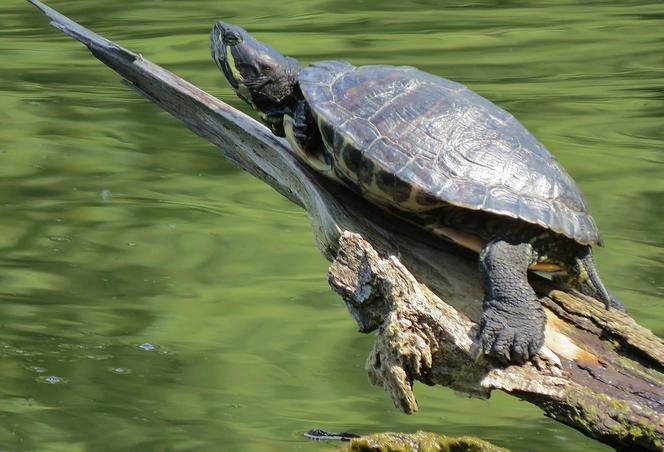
column 512, row 323
column 584, row 277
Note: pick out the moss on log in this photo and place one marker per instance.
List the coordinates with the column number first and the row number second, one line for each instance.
column 420, row 441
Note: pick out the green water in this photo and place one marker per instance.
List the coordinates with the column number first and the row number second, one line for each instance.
column 118, row 227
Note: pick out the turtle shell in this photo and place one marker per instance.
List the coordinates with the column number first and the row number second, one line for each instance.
column 414, row 141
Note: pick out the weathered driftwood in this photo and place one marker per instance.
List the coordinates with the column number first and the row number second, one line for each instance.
column 599, row 372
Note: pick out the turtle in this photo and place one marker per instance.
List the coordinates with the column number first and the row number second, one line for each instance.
column 436, row 153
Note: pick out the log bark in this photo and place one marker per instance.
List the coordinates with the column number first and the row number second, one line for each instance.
column 599, row 371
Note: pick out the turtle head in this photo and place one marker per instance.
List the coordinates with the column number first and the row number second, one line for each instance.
column 258, row 74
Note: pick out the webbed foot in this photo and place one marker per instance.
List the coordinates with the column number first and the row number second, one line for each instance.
column 511, row 337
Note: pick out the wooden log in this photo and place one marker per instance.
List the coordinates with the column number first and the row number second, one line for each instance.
column 599, row 371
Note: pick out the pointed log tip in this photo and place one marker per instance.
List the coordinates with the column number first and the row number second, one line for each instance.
column 41, row 6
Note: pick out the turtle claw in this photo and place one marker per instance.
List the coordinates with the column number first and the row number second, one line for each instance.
column 616, row 303
column 547, row 356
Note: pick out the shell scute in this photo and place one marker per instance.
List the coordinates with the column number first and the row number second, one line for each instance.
column 363, row 132
column 383, row 150
column 352, row 158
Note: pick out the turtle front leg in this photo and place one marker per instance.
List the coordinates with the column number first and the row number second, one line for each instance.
column 512, row 323
column 304, row 137
column 304, row 127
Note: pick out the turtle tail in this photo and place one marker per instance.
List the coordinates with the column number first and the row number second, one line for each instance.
column 586, row 279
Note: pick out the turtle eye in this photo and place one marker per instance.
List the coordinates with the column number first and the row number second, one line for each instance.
column 231, row 38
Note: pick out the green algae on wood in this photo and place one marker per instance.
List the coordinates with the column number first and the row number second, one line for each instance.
column 419, row 441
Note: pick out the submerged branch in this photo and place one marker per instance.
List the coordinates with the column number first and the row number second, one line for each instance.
column 599, row 371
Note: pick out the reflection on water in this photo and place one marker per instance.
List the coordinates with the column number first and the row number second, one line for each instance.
column 155, row 297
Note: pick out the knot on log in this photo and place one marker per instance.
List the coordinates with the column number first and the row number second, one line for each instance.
column 357, row 275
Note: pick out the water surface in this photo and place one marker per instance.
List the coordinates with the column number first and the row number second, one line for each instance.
column 154, row 297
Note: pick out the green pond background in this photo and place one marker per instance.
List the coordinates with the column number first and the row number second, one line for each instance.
column 154, row 297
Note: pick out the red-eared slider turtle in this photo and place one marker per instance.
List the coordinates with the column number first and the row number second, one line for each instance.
column 438, row 154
